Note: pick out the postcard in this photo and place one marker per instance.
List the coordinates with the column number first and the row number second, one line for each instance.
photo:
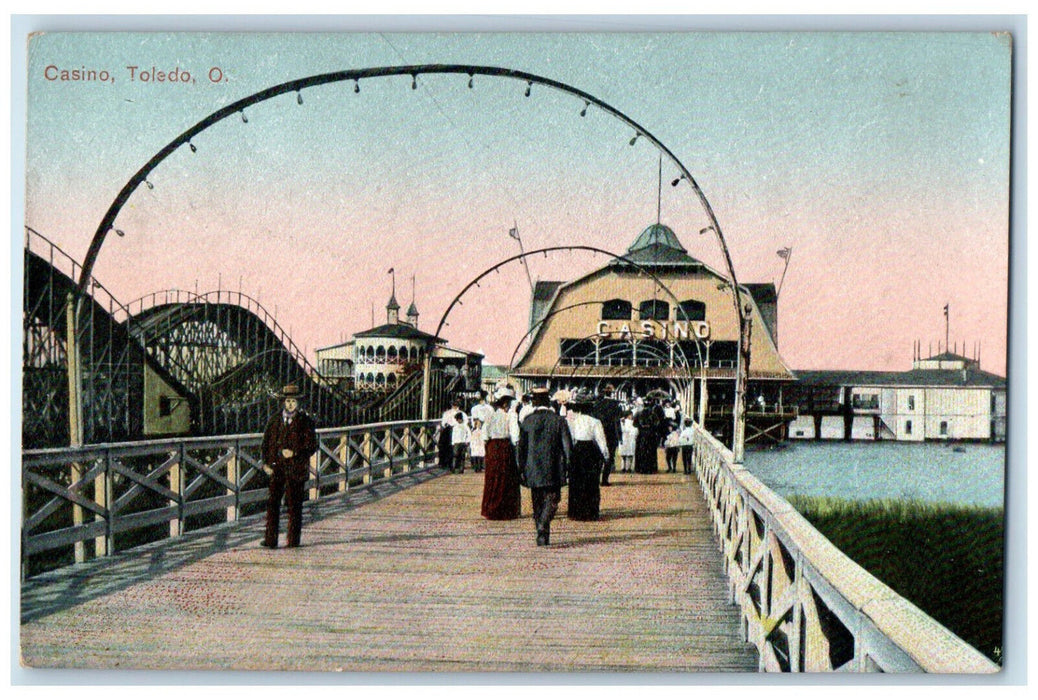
column 467, row 352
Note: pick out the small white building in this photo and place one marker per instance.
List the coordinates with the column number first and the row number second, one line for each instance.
column 944, row 397
column 380, row 358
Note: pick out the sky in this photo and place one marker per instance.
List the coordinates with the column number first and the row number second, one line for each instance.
column 881, row 159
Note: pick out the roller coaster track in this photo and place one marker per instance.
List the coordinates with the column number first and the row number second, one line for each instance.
column 222, row 351
column 113, row 376
column 227, row 349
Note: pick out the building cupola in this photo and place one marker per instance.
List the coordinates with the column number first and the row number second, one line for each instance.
column 656, row 235
column 412, row 310
column 392, row 308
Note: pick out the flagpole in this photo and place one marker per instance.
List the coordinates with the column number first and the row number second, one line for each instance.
column 946, row 346
column 786, row 257
column 515, row 230
column 659, row 191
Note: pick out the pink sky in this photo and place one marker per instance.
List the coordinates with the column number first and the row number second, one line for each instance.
column 882, row 161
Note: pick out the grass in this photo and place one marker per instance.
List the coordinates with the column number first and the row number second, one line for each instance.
column 946, row 559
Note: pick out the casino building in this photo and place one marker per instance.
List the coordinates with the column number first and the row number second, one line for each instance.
column 657, row 319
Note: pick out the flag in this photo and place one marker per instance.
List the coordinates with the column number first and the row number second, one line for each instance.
column 390, row 271
column 946, row 311
column 514, row 233
column 784, row 253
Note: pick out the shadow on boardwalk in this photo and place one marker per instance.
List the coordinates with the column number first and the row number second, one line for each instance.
column 416, row 582
column 60, row 589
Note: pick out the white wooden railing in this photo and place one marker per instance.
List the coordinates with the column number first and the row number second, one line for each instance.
column 804, row 604
column 86, row 497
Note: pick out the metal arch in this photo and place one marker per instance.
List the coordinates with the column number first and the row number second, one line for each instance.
column 685, row 382
column 550, row 249
column 475, row 280
column 511, row 362
column 641, row 268
column 108, row 220
column 684, row 358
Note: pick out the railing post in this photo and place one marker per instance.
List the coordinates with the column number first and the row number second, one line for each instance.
column 766, row 591
column 422, row 441
column 103, row 498
column 315, row 469
column 344, row 453
column 365, row 450
column 388, row 449
column 75, row 408
column 79, row 548
column 796, row 642
column 408, row 452
column 176, row 525
column 233, row 476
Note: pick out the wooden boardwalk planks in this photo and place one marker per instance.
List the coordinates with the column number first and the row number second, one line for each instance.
column 420, row 582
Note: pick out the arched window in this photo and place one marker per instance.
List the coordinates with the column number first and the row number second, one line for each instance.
column 380, row 354
column 616, row 310
column 371, row 353
column 414, row 353
column 380, row 379
column 692, row 310
column 391, row 379
column 391, row 354
column 403, row 353
column 371, row 378
column 654, row 310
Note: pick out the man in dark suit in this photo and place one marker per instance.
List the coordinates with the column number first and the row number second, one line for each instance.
column 288, row 443
column 607, row 409
column 543, row 454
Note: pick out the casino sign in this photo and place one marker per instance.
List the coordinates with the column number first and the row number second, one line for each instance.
column 667, row 331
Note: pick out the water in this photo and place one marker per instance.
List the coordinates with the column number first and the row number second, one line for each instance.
column 929, row 472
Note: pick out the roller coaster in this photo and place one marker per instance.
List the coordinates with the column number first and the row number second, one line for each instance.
column 217, row 359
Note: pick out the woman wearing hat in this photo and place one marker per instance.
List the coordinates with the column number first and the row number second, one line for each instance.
column 501, row 499
column 445, row 436
column 590, row 450
column 288, row 443
column 649, row 423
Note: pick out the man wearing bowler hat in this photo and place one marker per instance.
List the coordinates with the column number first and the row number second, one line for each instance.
column 543, row 455
column 288, row 443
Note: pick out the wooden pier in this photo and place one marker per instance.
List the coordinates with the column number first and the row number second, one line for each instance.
column 408, row 578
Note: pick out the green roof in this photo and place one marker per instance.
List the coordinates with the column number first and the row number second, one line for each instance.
column 657, row 245
column 657, row 234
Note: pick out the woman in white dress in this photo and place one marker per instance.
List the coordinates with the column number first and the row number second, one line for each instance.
column 628, row 439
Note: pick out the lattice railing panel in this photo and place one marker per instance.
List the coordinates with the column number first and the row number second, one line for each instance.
column 104, row 498
column 804, row 604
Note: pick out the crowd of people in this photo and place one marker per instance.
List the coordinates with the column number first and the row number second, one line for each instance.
column 541, row 441
column 544, row 441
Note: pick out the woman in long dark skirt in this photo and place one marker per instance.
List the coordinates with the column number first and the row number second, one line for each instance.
column 645, row 450
column 444, row 446
column 590, row 450
column 501, row 499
